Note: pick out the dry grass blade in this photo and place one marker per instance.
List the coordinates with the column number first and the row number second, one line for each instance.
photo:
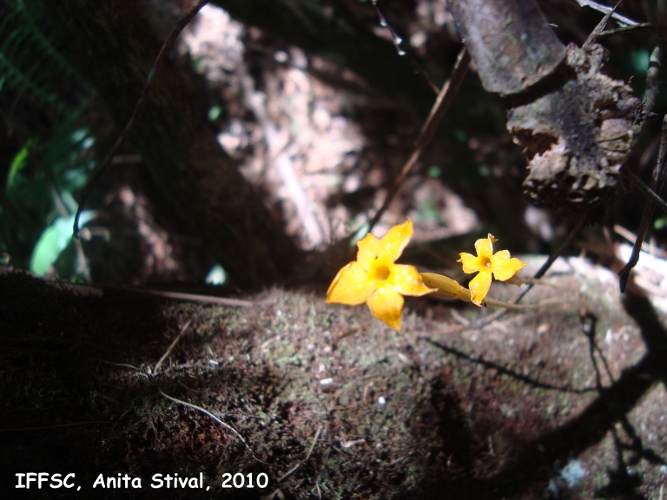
column 188, row 297
column 632, row 238
column 208, row 413
column 184, row 328
column 310, row 450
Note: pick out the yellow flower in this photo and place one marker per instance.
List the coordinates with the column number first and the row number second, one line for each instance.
column 501, row 265
column 374, row 277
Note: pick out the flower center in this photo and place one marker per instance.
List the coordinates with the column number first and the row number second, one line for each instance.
column 381, row 272
column 485, row 262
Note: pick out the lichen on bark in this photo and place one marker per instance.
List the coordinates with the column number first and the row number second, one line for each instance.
column 578, row 136
column 575, row 124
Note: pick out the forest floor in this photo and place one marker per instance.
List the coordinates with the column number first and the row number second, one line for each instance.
column 565, row 400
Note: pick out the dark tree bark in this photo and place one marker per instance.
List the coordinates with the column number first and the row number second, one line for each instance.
column 511, row 43
column 576, row 124
column 114, row 48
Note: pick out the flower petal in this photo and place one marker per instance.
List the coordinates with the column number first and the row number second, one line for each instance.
column 505, row 267
column 351, row 286
column 370, row 249
column 394, row 242
column 386, row 305
column 484, row 247
column 407, row 281
column 479, row 287
column 470, row 263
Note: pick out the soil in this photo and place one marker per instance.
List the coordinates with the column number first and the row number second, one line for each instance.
column 565, row 400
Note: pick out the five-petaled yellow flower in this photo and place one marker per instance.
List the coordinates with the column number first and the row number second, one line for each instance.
column 500, row 264
column 374, row 277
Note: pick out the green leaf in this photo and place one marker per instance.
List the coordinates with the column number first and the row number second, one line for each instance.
column 640, row 60
column 18, row 163
column 216, row 276
column 53, row 240
column 214, row 113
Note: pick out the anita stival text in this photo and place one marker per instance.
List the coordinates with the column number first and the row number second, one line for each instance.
column 122, row 481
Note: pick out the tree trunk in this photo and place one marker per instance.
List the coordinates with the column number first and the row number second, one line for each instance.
column 576, row 124
column 113, row 47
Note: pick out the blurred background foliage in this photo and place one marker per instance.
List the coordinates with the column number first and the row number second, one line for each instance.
column 51, row 137
column 47, row 152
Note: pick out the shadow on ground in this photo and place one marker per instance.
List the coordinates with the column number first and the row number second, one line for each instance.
column 325, row 402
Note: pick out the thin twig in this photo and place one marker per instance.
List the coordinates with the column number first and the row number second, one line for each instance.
column 225, row 425
column 189, row 297
column 592, row 38
column 605, row 9
column 639, row 184
column 659, row 173
column 143, row 99
column 632, row 238
column 552, row 258
column 121, row 365
column 293, row 469
column 657, row 183
column 442, row 103
column 398, row 43
column 625, row 29
column 172, row 345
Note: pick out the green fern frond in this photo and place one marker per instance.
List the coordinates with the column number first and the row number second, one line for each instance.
column 26, row 55
column 22, row 84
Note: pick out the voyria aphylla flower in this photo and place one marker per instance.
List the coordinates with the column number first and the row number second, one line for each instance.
column 500, row 264
column 376, row 279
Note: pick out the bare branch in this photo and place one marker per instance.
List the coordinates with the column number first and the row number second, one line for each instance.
column 442, row 103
